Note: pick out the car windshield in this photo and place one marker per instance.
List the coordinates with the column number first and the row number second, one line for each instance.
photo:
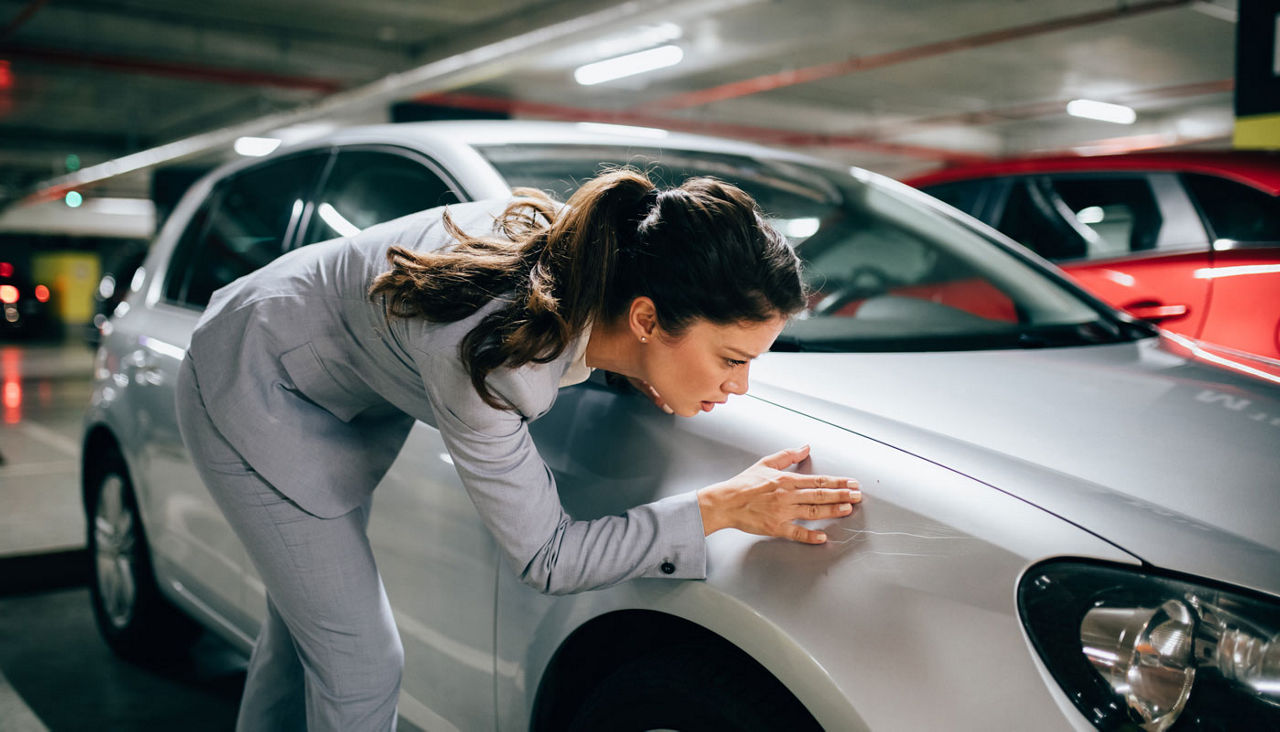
column 886, row 269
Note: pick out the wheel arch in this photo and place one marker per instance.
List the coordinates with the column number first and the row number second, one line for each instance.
column 610, row 640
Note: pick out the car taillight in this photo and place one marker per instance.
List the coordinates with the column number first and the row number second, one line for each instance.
column 42, row 293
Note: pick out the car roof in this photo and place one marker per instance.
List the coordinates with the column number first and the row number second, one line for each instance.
column 530, row 132
column 1259, row 169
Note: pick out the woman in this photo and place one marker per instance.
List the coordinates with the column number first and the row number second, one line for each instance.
column 303, row 379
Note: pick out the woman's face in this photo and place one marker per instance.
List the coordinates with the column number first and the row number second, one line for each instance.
column 707, row 363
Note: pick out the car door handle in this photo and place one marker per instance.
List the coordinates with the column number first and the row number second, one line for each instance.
column 1156, row 311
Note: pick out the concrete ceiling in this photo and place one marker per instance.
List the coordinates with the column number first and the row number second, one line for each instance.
column 898, row 86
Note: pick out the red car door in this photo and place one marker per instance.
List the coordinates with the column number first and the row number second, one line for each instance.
column 1244, row 274
column 1132, row 239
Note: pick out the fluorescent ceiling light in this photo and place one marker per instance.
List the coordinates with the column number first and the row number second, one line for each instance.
column 622, row 129
column 1101, row 111
column 256, row 147
column 336, row 220
column 628, row 65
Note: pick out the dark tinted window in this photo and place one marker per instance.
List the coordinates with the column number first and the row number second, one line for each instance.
column 1031, row 219
column 968, row 196
column 1115, row 215
column 368, row 187
column 1236, row 211
column 247, row 224
column 1077, row 217
column 180, row 264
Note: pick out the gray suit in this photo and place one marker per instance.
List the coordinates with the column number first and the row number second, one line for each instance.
column 297, row 387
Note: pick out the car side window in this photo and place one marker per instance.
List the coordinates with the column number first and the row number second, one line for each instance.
column 368, row 187
column 968, row 196
column 1236, row 211
column 1115, row 215
column 1077, row 217
column 1030, row 217
column 244, row 225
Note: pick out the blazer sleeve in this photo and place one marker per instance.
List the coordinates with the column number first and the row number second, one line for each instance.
column 515, row 494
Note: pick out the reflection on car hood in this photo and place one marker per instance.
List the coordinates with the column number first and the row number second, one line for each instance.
column 1175, row 461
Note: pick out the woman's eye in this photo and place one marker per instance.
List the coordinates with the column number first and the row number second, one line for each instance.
column 734, row 362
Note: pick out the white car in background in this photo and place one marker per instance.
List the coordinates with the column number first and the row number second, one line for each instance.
column 1070, row 520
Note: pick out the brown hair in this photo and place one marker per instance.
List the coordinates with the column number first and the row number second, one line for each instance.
column 701, row 250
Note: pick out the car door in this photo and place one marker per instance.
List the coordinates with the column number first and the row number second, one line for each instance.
column 1244, row 279
column 240, row 226
column 437, row 560
column 1132, row 239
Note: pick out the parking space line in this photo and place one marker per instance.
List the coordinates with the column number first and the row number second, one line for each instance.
column 17, row 716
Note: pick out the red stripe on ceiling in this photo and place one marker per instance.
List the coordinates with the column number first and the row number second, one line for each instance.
column 779, row 80
column 173, row 69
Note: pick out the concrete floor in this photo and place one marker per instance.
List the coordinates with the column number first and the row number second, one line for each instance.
column 56, row 673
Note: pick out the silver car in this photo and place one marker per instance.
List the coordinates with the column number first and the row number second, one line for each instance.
column 1070, row 520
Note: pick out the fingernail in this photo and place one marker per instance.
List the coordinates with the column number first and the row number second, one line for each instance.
column 822, row 537
column 846, row 507
column 668, row 410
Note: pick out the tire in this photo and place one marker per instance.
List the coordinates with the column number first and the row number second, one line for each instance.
column 692, row 688
column 132, row 616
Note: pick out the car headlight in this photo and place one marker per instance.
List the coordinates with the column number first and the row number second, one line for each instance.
column 1135, row 649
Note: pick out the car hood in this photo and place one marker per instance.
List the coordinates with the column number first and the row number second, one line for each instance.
column 1174, row 460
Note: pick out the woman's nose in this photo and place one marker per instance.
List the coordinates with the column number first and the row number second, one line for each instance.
column 737, row 384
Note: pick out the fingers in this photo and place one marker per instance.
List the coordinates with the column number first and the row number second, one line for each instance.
column 785, row 458
column 803, row 535
column 812, row 511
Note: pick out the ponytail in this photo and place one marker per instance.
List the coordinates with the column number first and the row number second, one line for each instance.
column 553, row 266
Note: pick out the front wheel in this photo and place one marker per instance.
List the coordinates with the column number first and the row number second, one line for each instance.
column 691, row 688
column 134, row 619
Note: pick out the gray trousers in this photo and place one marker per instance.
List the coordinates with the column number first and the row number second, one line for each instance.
column 328, row 656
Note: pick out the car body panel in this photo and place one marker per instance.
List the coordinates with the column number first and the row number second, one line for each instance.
column 1255, row 168
column 1141, row 285
column 1174, row 505
column 1245, row 280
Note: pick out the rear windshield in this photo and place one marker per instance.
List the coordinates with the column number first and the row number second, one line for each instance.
column 887, row 269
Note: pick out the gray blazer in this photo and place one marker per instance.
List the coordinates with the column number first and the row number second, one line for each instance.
column 317, row 390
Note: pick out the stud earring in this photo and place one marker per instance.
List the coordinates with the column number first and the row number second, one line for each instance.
column 644, row 339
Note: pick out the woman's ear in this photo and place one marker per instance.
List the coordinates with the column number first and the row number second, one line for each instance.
column 642, row 318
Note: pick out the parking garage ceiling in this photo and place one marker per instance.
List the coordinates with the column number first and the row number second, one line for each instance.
column 898, row 86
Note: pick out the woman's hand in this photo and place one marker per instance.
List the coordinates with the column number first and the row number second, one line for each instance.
column 643, row 387
column 765, row 500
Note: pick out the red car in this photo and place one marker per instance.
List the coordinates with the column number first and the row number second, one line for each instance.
column 1189, row 240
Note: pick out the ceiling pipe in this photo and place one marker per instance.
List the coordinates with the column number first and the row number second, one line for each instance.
column 22, row 17
column 779, row 80
column 551, row 26
column 245, row 77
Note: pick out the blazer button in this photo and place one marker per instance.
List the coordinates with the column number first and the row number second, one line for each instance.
column 668, row 568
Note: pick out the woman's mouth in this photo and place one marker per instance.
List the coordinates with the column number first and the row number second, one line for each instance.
column 708, row 406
